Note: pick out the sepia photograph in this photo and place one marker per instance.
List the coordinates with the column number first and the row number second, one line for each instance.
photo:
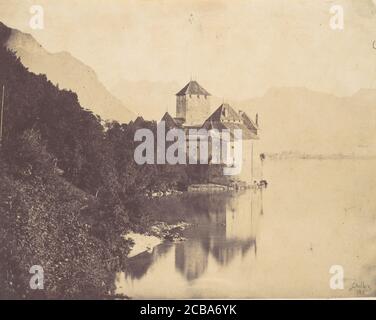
column 191, row 149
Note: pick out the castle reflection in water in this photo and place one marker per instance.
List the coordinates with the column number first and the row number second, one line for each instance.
column 224, row 227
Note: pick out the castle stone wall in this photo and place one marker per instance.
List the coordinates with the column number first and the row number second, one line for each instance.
column 197, row 109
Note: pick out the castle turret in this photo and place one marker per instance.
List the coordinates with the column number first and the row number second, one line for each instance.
column 193, row 104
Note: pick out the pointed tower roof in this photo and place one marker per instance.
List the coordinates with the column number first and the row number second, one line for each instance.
column 139, row 120
column 170, row 121
column 225, row 113
column 193, row 88
column 225, row 117
column 248, row 121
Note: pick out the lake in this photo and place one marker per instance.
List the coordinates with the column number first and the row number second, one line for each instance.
column 278, row 242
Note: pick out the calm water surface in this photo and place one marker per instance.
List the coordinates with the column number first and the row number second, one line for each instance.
column 280, row 242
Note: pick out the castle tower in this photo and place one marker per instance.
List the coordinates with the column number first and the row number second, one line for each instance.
column 193, row 104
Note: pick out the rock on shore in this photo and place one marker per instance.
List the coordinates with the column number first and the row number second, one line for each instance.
column 159, row 232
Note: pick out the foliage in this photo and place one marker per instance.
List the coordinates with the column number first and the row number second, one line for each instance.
column 69, row 188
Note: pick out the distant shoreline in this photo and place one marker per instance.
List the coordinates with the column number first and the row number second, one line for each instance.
column 288, row 156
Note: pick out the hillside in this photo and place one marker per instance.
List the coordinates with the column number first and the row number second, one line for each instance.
column 53, row 161
column 69, row 73
column 69, row 188
column 160, row 97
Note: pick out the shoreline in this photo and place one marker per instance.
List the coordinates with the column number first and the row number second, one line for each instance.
column 158, row 233
column 142, row 243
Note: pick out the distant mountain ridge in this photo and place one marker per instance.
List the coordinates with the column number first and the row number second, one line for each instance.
column 69, row 73
column 291, row 118
column 306, row 121
column 147, row 98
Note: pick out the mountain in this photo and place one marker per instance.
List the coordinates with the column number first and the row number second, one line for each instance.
column 305, row 121
column 147, row 98
column 69, row 73
column 291, row 118
column 54, row 158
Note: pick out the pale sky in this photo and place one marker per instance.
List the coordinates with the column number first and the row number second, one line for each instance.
column 235, row 48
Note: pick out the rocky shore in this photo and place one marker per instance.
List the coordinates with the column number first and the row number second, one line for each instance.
column 157, row 233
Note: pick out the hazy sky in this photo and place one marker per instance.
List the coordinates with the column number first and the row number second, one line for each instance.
column 236, row 49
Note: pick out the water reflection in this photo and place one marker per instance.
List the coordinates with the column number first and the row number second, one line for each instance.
column 138, row 266
column 224, row 227
column 324, row 215
column 191, row 258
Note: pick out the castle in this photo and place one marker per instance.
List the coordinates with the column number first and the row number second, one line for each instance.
column 193, row 112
